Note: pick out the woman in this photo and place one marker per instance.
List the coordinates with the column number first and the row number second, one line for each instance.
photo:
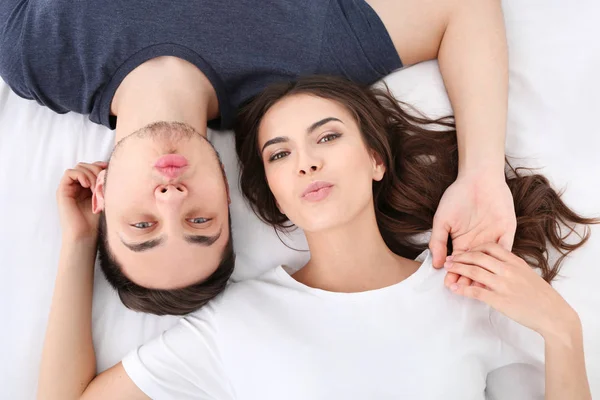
column 362, row 319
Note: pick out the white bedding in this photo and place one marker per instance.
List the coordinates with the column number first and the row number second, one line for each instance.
column 554, row 98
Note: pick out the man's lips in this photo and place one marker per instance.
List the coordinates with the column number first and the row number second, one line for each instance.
column 317, row 191
column 171, row 160
column 171, row 172
column 171, row 166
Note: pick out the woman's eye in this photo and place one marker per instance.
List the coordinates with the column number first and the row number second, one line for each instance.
column 279, row 155
column 329, row 137
column 198, row 220
column 143, row 225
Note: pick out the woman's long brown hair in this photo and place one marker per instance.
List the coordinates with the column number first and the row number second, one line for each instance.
column 421, row 160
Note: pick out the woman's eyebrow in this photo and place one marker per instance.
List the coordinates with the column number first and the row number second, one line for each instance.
column 309, row 130
column 320, row 123
column 275, row 140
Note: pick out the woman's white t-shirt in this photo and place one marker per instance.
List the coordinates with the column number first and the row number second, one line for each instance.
column 275, row 338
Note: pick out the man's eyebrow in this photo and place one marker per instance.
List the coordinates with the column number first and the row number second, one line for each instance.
column 311, row 129
column 203, row 240
column 144, row 246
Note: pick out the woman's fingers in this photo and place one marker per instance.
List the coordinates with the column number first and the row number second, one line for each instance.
column 90, row 179
column 495, row 250
column 478, row 258
column 76, row 175
column 92, row 171
column 474, row 273
column 451, row 278
column 93, row 168
column 464, row 281
column 97, row 166
column 478, row 293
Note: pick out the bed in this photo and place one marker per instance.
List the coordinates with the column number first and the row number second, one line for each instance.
column 554, row 99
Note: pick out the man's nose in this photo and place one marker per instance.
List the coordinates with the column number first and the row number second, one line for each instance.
column 171, row 195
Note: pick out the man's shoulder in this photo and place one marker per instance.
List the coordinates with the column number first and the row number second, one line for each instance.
column 12, row 18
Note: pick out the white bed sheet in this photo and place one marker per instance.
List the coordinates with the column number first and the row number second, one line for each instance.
column 554, row 96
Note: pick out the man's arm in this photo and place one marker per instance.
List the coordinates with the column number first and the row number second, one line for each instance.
column 474, row 64
column 468, row 38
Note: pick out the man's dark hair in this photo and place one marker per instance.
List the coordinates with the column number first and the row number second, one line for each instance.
column 163, row 301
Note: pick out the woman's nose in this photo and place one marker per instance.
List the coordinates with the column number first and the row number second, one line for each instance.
column 309, row 163
column 310, row 169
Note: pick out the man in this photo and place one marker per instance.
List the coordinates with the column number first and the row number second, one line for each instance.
column 159, row 71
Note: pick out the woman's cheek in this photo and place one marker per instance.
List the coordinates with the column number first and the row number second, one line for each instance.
column 277, row 184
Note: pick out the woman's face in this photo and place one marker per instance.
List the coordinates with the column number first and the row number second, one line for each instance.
column 316, row 162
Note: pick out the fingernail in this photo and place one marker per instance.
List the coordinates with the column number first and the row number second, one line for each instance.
column 449, row 258
column 447, row 265
column 454, row 287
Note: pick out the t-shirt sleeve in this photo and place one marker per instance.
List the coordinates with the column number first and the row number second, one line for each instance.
column 518, row 371
column 182, row 363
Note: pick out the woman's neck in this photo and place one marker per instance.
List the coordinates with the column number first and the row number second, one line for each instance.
column 353, row 258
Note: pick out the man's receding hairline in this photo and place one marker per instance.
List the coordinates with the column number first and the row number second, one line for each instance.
column 158, row 125
column 154, row 125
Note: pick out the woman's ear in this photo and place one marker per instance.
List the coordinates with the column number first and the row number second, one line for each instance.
column 98, row 193
column 378, row 166
column 226, row 184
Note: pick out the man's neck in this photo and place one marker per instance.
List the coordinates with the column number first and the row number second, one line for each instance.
column 353, row 258
column 164, row 89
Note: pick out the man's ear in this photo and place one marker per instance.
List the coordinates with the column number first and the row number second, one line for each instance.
column 378, row 166
column 98, row 193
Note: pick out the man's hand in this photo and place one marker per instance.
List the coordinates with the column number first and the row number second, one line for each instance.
column 74, row 195
column 475, row 209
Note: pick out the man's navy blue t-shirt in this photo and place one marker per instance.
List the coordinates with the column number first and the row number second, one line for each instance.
column 71, row 55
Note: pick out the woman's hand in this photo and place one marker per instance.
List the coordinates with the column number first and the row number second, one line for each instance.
column 474, row 210
column 74, row 196
column 513, row 288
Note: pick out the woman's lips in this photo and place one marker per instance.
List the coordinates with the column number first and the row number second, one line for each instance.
column 317, row 191
column 171, row 166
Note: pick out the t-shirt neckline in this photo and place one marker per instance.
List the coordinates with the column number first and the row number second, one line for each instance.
column 102, row 114
column 405, row 285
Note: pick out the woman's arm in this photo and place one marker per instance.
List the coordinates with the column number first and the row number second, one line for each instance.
column 68, row 364
column 566, row 377
column 468, row 38
column 517, row 291
column 68, row 360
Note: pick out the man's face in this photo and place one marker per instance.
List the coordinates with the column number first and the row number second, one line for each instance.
column 165, row 199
